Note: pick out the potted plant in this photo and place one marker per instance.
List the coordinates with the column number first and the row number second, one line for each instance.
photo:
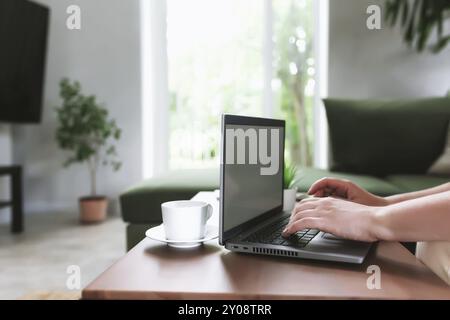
column 85, row 130
column 290, row 191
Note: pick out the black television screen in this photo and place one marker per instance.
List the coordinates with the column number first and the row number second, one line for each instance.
column 23, row 43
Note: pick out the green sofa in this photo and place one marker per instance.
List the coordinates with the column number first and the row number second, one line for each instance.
column 385, row 147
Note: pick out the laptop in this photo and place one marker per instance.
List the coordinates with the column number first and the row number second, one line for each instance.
column 251, row 197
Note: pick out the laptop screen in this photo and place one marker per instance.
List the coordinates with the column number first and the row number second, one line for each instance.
column 252, row 170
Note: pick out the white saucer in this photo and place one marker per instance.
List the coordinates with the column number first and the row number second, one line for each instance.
column 158, row 234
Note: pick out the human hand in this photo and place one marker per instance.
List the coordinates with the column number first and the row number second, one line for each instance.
column 345, row 189
column 340, row 217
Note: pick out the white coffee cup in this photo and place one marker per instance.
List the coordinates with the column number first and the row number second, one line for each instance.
column 185, row 219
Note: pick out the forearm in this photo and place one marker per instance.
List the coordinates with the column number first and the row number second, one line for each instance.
column 418, row 194
column 425, row 218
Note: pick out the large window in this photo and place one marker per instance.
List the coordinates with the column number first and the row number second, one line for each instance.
column 294, row 83
column 252, row 57
column 214, row 50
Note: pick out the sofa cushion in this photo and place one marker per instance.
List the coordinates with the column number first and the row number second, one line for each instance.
column 307, row 176
column 410, row 183
column 142, row 203
column 379, row 138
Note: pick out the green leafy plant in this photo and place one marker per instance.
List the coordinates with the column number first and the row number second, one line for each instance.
column 290, row 173
column 85, row 130
column 419, row 19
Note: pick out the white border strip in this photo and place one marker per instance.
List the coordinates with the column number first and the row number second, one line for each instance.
column 321, row 24
column 155, row 88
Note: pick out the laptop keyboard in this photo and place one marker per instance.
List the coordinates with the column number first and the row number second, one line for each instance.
column 271, row 234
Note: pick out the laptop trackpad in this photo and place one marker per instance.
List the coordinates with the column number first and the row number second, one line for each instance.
column 330, row 236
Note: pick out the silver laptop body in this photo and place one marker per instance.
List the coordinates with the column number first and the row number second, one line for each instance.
column 251, row 197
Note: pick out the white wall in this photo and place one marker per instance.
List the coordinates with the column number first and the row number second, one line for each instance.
column 105, row 57
column 376, row 63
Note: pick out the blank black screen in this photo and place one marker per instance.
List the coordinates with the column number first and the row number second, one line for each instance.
column 247, row 193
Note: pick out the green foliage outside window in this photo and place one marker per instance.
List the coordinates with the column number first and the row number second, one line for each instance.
column 294, row 62
column 219, row 69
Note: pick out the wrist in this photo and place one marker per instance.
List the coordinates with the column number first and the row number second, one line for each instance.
column 375, row 201
column 382, row 201
column 380, row 228
column 394, row 199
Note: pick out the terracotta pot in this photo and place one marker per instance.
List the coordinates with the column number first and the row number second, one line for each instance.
column 93, row 209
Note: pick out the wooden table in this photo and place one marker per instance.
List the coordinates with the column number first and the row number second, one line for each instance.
column 152, row 270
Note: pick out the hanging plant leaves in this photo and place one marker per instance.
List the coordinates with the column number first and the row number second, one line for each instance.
column 420, row 21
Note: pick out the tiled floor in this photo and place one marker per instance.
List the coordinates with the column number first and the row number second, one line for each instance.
column 37, row 260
